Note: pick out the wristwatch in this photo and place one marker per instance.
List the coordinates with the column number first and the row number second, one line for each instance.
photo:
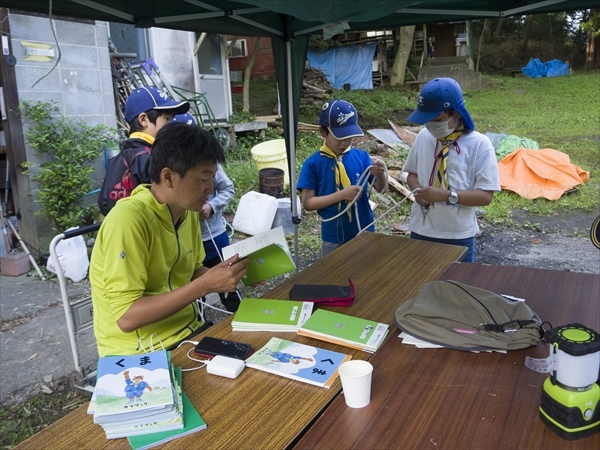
column 452, row 198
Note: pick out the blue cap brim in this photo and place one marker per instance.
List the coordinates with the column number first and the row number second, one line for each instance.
column 346, row 132
column 422, row 117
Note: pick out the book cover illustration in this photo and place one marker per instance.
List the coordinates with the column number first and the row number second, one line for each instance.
column 343, row 329
column 260, row 314
column 299, row 362
column 133, row 384
column 162, row 421
column 268, row 252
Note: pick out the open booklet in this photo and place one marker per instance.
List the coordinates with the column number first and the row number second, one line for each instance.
column 299, row 362
column 268, row 253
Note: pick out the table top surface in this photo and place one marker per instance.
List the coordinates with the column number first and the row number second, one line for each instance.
column 449, row 399
column 261, row 410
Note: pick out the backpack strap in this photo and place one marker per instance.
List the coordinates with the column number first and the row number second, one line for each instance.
column 130, row 162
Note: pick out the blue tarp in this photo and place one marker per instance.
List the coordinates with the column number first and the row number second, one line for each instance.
column 346, row 65
column 535, row 68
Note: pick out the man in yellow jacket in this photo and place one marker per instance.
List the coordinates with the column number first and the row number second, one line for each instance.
column 146, row 268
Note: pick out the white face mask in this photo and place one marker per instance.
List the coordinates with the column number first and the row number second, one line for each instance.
column 440, row 129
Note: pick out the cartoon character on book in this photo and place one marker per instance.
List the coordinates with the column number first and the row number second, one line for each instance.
column 288, row 358
column 135, row 388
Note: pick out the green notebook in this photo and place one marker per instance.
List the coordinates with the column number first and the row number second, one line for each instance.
column 342, row 329
column 192, row 422
column 260, row 314
column 268, row 253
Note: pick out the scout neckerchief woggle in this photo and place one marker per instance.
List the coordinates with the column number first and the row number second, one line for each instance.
column 341, row 177
column 441, row 180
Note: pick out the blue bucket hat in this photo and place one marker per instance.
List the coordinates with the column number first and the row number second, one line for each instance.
column 437, row 96
column 341, row 119
column 149, row 97
column 186, row 118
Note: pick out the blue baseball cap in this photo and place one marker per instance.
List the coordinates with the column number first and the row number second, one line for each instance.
column 149, row 97
column 437, row 96
column 186, row 118
column 341, row 119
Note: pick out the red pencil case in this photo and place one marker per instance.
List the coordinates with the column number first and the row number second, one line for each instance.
column 324, row 294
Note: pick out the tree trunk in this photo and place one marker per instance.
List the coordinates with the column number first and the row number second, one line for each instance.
column 526, row 31
column 592, row 51
column 399, row 66
column 247, row 73
column 230, row 47
column 483, row 30
column 592, row 48
column 487, row 31
column 498, row 29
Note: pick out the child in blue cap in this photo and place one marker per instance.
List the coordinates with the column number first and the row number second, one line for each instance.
column 451, row 168
column 147, row 110
column 331, row 178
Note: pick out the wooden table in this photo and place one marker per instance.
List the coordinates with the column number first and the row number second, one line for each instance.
column 264, row 411
column 452, row 399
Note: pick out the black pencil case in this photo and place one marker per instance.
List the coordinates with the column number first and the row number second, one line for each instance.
column 324, row 294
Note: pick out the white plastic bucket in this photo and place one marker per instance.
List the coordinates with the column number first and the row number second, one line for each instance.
column 272, row 154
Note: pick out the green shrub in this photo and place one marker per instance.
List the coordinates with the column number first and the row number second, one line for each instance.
column 70, row 148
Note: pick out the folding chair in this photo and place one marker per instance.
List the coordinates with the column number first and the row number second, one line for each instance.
column 78, row 313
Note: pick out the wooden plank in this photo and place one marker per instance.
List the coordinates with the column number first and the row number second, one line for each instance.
column 268, row 119
column 249, row 126
column 401, row 188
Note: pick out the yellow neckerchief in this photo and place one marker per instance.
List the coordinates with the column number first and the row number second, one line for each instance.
column 341, row 177
column 143, row 136
column 442, row 174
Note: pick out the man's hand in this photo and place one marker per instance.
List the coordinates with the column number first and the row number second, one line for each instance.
column 224, row 277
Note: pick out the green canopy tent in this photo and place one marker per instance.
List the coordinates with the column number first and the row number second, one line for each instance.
column 289, row 23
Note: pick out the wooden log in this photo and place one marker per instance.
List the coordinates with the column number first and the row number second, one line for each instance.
column 401, row 188
column 406, row 135
column 310, row 87
column 268, row 119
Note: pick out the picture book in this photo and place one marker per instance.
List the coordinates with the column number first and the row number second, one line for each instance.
column 162, row 421
column 299, row 362
column 134, row 385
column 260, row 314
column 268, row 253
column 342, row 329
column 192, row 422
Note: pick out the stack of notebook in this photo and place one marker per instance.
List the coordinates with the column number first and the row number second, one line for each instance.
column 342, row 329
column 140, row 396
column 259, row 314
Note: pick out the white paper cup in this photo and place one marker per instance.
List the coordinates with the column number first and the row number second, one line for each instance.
column 356, row 382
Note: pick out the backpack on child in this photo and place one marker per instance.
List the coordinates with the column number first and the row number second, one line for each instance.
column 118, row 182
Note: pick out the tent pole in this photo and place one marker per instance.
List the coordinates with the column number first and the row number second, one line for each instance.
column 292, row 149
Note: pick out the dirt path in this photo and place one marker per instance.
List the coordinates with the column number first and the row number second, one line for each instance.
column 554, row 242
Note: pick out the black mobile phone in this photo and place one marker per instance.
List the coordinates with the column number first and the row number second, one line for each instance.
column 210, row 347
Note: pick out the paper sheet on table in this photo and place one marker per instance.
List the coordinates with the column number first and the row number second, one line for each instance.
column 419, row 343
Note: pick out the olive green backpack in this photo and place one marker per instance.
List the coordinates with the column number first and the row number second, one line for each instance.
column 464, row 317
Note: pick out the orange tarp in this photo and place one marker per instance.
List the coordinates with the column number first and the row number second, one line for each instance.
column 539, row 173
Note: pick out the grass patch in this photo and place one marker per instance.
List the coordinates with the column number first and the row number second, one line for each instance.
column 561, row 113
column 20, row 421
